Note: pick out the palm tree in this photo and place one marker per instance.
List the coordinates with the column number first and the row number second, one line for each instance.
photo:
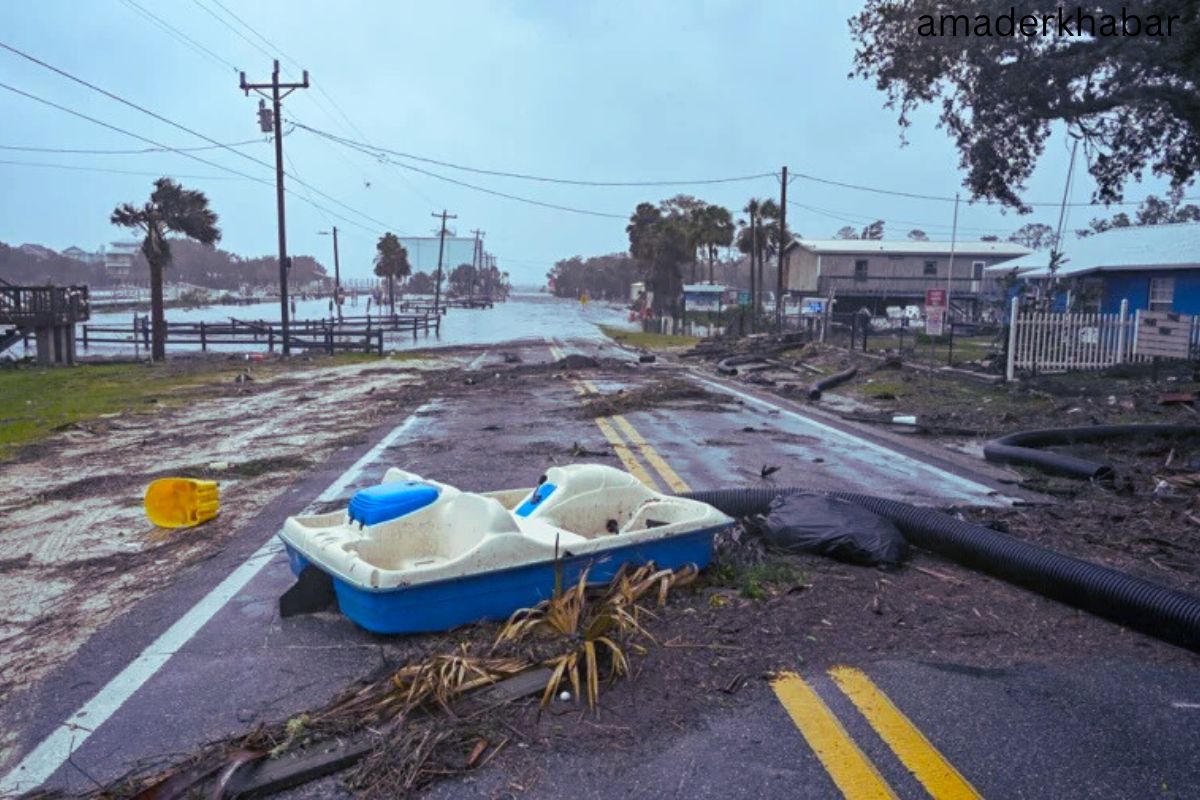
column 171, row 209
column 391, row 262
column 715, row 230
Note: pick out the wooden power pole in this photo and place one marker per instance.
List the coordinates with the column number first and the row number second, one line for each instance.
column 437, row 286
column 275, row 122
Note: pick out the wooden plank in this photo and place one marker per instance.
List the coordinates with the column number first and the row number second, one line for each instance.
column 269, row 777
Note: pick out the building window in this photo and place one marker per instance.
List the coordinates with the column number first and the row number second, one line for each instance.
column 1162, row 294
column 977, row 270
column 931, row 268
column 860, row 269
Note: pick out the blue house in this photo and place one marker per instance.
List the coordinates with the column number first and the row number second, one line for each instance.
column 1154, row 267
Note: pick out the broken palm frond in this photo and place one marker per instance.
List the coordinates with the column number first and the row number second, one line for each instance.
column 408, row 748
column 596, row 627
column 437, row 681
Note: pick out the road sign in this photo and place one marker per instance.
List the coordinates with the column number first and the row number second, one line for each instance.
column 813, row 305
column 935, row 320
column 935, row 298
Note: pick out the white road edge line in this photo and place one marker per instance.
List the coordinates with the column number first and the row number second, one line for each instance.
column 965, row 483
column 44, row 760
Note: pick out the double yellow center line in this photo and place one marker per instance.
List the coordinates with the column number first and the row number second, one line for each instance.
column 613, row 427
column 851, row 770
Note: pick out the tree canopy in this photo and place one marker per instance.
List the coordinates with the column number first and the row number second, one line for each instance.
column 1152, row 211
column 1131, row 100
column 606, row 277
column 391, row 259
column 171, row 209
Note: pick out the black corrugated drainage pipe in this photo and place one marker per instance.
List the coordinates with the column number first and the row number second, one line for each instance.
column 1020, row 447
column 1165, row 613
column 828, row 382
column 728, row 366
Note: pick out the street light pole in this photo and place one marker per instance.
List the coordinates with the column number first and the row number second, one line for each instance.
column 337, row 269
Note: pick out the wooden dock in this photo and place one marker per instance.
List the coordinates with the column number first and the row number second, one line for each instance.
column 354, row 333
column 49, row 313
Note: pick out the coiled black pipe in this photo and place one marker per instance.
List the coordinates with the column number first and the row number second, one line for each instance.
column 828, row 382
column 1165, row 613
column 1020, row 447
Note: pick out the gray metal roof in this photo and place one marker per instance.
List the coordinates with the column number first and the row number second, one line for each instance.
column 904, row 247
column 1143, row 247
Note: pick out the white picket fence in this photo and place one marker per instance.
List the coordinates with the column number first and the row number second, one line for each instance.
column 1048, row 342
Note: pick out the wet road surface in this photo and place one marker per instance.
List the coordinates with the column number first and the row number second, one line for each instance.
column 211, row 656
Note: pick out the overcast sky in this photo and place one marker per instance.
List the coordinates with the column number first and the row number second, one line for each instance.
column 605, row 90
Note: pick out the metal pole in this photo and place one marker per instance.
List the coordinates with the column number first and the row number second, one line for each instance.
column 950, row 268
column 782, row 246
column 337, row 269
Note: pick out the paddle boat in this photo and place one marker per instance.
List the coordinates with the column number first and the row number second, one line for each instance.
column 412, row 555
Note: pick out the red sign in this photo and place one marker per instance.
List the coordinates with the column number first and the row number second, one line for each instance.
column 935, row 298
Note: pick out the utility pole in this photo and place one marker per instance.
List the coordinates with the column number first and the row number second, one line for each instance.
column 950, row 268
column 476, row 262
column 1056, row 251
column 337, row 270
column 782, row 247
column 437, row 286
column 275, row 122
column 753, row 266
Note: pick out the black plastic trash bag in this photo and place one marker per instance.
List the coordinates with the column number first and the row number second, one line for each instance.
column 818, row 523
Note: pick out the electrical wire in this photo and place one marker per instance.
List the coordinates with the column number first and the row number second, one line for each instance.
column 78, row 168
column 485, row 190
column 138, row 151
column 236, row 32
column 945, row 198
column 527, row 177
column 181, row 127
column 180, row 35
column 859, row 219
column 192, row 156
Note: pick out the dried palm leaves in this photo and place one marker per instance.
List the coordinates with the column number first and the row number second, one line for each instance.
column 596, row 628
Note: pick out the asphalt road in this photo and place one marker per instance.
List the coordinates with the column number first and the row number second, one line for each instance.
column 211, row 655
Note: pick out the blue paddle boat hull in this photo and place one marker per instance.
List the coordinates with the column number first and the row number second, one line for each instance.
column 495, row 595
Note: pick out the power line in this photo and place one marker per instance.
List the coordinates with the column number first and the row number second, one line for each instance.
column 843, row 216
column 184, row 128
column 236, row 32
column 180, row 35
column 77, row 168
column 949, row 199
column 137, row 151
column 485, row 190
column 279, row 51
column 192, row 156
column 528, row 177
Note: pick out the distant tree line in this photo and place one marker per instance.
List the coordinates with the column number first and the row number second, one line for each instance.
column 191, row 262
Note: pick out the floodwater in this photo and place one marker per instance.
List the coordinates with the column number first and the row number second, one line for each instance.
column 523, row 316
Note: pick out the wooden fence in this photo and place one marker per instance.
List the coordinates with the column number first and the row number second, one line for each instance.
column 1063, row 342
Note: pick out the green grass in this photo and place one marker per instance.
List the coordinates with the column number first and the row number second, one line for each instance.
column 648, row 341
column 35, row 401
column 752, row 580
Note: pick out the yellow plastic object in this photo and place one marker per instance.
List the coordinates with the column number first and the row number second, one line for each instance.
column 181, row 502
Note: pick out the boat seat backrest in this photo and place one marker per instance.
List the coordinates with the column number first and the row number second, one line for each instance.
column 589, row 514
column 466, row 519
column 663, row 512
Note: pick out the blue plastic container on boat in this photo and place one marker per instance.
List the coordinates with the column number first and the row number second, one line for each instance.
column 390, row 501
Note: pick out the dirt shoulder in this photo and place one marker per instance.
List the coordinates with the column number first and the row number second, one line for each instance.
column 76, row 549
